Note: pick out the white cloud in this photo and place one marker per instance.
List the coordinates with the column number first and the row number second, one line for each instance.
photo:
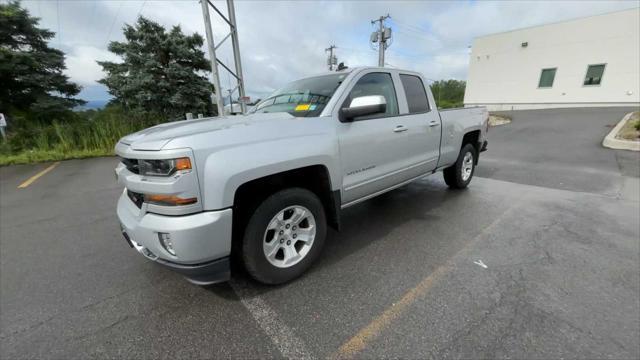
column 284, row 40
column 82, row 66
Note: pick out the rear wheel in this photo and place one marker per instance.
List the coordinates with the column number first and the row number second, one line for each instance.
column 284, row 236
column 459, row 175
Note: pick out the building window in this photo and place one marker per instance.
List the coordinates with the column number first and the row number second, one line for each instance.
column 415, row 93
column 594, row 74
column 546, row 78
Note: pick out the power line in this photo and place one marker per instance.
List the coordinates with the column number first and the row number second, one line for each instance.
column 422, row 55
column 58, row 18
column 410, row 27
column 413, row 34
column 93, row 12
column 114, row 22
column 413, row 31
column 367, row 51
column 411, row 56
column 141, row 8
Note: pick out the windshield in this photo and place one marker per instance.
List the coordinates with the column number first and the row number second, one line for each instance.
column 302, row 98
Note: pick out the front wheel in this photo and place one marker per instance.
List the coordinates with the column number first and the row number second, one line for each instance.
column 284, row 236
column 459, row 175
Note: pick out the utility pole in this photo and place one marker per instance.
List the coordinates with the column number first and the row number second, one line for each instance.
column 233, row 34
column 332, row 59
column 381, row 36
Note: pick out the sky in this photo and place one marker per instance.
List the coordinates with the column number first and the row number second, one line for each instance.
column 281, row 41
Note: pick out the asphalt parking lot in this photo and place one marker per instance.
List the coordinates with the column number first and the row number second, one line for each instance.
column 539, row 258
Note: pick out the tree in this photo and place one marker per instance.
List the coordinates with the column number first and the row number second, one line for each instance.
column 31, row 73
column 448, row 93
column 161, row 72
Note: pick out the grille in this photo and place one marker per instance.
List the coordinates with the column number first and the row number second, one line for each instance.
column 137, row 198
column 132, row 165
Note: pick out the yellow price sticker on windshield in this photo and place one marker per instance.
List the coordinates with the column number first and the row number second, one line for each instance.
column 302, row 107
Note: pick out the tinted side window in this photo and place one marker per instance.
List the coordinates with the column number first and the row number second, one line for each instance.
column 416, row 95
column 375, row 84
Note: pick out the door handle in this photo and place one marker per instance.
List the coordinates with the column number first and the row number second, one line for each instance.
column 433, row 123
column 400, row 128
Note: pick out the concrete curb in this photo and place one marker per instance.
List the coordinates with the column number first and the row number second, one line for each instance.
column 611, row 142
column 498, row 120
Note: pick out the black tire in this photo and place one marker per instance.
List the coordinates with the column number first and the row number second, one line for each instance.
column 453, row 174
column 253, row 255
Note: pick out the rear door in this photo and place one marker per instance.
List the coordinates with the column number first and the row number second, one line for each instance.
column 423, row 123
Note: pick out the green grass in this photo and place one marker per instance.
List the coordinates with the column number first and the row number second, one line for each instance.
column 35, row 156
column 81, row 137
column 631, row 129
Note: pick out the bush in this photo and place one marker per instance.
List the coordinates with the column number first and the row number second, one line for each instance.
column 445, row 104
column 448, row 93
column 90, row 133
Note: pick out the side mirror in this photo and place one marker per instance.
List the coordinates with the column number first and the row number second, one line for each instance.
column 362, row 106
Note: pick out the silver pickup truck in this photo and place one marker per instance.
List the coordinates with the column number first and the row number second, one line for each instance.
column 262, row 188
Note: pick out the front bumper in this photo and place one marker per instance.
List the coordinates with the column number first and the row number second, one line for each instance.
column 202, row 274
column 201, row 241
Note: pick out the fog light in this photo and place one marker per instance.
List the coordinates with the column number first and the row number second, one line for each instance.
column 165, row 241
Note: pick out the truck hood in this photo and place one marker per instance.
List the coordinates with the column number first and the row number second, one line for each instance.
column 156, row 137
column 160, row 136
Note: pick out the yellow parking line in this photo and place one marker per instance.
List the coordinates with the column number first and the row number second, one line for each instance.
column 357, row 343
column 35, row 177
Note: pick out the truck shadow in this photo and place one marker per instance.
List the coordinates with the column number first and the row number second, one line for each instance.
column 373, row 220
column 365, row 224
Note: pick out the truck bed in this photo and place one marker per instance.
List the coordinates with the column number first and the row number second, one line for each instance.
column 455, row 123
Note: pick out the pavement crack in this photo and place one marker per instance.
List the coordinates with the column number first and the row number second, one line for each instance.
column 101, row 329
column 41, row 323
column 96, row 303
column 29, row 328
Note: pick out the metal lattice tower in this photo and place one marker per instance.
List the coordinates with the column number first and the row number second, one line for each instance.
column 230, row 19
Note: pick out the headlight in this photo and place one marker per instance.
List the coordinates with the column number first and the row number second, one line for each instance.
column 163, row 167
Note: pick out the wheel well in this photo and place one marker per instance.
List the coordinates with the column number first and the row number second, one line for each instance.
column 313, row 178
column 473, row 138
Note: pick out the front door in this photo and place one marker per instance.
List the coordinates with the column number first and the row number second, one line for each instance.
column 373, row 148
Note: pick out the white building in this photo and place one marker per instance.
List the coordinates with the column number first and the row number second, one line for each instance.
column 592, row 61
